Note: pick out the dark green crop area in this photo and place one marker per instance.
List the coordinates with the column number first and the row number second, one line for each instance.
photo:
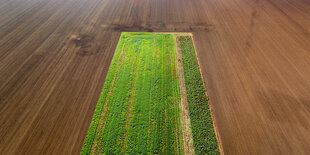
column 201, row 122
column 138, row 110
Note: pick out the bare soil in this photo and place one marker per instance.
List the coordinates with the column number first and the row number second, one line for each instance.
column 254, row 56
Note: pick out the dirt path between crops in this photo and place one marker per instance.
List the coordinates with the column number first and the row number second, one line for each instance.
column 185, row 119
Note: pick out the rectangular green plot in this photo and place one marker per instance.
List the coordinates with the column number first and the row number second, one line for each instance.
column 138, row 110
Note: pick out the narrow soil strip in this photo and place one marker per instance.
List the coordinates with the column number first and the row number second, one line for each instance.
column 185, row 118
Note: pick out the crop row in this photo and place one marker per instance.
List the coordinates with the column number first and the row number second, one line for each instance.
column 201, row 122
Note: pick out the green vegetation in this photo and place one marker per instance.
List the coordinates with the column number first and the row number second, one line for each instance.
column 201, row 122
column 138, row 110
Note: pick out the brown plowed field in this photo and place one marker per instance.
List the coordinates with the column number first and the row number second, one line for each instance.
column 254, row 55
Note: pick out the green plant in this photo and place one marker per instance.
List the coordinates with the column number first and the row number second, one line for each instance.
column 201, row 122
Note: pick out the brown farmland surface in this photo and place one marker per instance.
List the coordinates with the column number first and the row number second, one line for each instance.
column 254, row 56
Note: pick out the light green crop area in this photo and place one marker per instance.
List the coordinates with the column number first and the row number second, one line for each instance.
column 138, row 110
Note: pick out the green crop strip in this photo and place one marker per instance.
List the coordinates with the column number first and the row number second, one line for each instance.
column 138, row 110
column 201, row 122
